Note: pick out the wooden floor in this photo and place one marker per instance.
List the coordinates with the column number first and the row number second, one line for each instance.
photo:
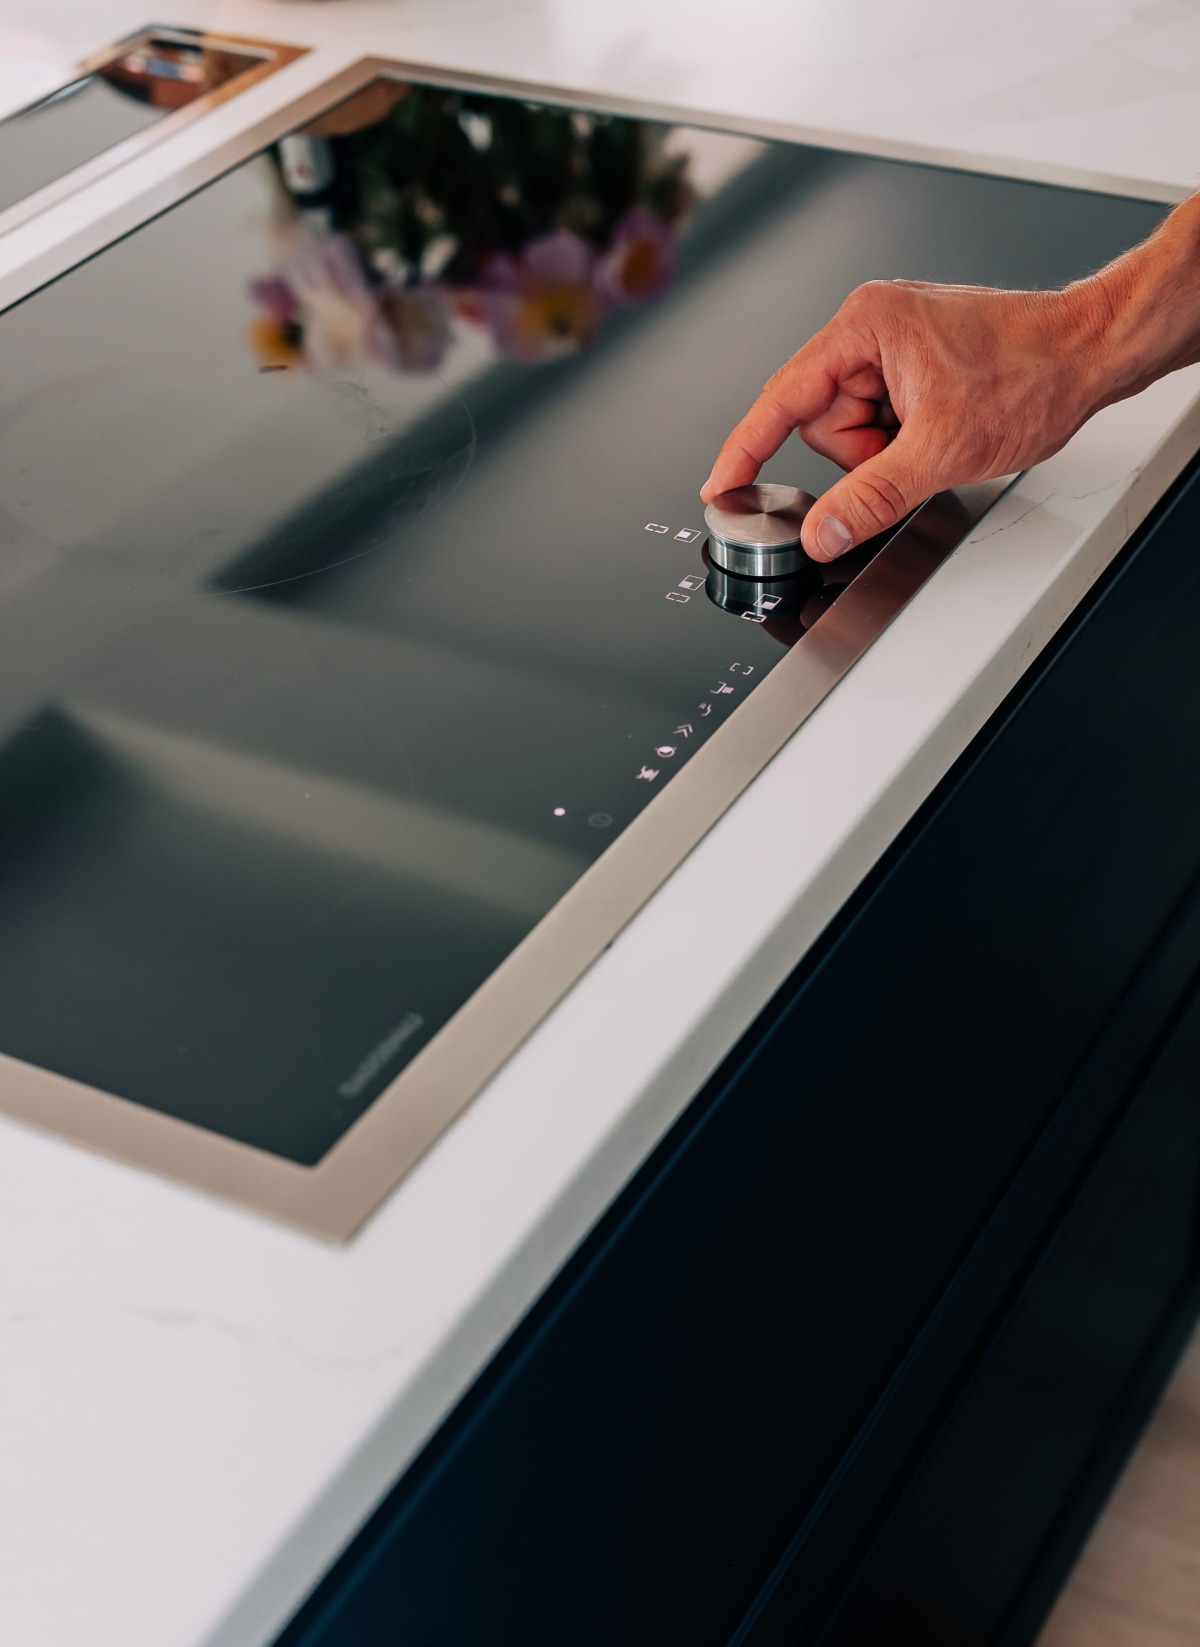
column 1138, row 1580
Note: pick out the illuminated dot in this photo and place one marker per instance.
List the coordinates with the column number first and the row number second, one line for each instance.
column 560, row 811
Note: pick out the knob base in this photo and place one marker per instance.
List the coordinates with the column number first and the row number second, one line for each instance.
column 756, row 563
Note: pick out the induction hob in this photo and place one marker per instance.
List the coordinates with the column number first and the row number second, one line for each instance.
column 121, row 100
column 361, row 667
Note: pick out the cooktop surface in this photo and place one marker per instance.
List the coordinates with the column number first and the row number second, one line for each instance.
column 133, row 86
column 355, row 618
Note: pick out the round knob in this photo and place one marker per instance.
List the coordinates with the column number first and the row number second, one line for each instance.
column 754, row 531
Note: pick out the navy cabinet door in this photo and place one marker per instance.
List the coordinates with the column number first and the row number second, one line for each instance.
column 705, row 1429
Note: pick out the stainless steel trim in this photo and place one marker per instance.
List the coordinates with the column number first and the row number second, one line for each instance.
column 271, row 54
column 333, row 1198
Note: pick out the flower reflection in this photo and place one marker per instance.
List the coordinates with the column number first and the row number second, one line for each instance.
column 535, row 235
column 641, row 264
column 275, row 333
column 275, row 345
column 339, row 318
column 542, row 304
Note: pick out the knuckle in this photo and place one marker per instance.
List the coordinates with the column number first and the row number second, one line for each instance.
column 879, row 500
column 772, row 389
column 781, row 383
column 871, row 294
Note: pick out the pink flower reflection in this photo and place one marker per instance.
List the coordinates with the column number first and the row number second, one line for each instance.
column 339, row 318
column 642, row 262
column 276, row 299
column 541, row 304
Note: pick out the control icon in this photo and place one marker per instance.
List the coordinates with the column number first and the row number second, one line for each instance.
column 720, row 689
column 706, row 709
column 648, row 774
column 684, row 731
column 600, row 820
column 692, row 581
column 755, row 617
column 665, row 751
column 653, row 526
column 688, row 535
column 741, row 668
column 768, row 603
column 673, row 594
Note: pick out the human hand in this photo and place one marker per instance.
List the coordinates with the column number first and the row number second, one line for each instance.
column 914, row 387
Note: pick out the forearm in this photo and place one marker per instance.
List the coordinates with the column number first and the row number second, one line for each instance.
column 1139, row 318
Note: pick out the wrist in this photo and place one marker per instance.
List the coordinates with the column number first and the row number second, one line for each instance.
column 1138, row 318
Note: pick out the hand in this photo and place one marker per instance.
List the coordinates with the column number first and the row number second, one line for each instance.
column 914, row 387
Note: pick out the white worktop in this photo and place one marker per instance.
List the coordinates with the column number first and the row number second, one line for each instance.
column 197, row 1407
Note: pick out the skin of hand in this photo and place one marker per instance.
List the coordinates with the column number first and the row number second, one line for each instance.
column 913, row 387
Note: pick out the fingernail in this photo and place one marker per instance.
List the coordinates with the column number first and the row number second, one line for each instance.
column 833, row 536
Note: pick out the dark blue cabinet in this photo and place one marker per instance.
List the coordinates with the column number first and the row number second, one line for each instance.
column 856, row 1354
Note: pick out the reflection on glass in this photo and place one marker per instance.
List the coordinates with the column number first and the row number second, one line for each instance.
column 330, row 660
column 411, row 208
column 157, row 73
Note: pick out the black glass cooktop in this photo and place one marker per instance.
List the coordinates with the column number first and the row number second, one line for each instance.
column 153, row 75
column 352, row 589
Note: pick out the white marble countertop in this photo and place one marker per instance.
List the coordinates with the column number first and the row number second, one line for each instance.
column 197, row 1407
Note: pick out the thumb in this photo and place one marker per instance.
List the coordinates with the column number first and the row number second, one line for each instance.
column 868, row 500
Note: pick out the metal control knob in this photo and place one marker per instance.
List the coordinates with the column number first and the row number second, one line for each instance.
column 754, row 531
